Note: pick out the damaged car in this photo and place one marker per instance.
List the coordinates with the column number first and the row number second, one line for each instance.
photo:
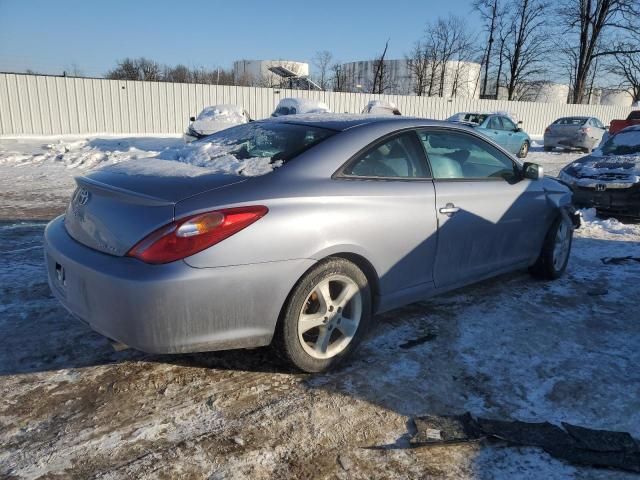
column 608, row 179
column 355, row 217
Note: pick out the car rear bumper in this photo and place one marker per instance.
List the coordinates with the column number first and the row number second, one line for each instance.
column 620, row 201
column 569, row 142
column 171, row 308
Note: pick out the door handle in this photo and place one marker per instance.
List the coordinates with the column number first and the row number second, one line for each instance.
column 449, row 209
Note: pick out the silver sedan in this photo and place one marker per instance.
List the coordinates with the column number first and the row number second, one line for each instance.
column 361, row 215
column 584, row 133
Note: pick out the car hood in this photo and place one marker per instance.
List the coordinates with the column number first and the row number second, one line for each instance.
column 596, row 166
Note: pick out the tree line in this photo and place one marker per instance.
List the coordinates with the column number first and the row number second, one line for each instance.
column 521, row 45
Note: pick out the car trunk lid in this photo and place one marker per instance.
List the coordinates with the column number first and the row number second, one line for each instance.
column 110, row 211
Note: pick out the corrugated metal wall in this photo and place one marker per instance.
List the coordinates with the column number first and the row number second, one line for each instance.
column 46, row 105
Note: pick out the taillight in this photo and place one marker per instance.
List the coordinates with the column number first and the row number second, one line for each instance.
column 190, row 235
column 547, row 130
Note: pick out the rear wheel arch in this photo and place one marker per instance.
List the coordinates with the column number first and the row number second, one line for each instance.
column 359, row 261
column 369, row 271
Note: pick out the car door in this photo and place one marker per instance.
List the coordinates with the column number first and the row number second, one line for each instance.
column 391, row 182
column 489, row 218
column 514, row 138
column 494, row 130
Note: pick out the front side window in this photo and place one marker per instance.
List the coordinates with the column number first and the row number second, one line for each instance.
column 508, row 124
column 494, row 123
column 457, row 155
column 399, row 157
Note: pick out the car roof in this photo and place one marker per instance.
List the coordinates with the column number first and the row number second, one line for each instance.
column 340, row 122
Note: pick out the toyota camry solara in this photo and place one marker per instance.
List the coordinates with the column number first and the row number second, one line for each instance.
column 357, row 215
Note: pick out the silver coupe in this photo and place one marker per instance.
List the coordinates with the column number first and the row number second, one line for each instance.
column 358, row 215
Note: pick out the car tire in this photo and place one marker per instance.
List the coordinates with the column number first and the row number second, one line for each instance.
column 556, row 249
column 548, row 149
column 338, row 325
column 524, row 150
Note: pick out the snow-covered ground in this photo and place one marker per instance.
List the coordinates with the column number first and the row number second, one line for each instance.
column 507, row 348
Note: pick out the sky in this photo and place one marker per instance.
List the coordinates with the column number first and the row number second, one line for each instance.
column 92, row 35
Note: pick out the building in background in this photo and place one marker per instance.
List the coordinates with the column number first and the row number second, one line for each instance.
column 259, row 73
column 549, row 92
column 617, row 97
column 461, row 79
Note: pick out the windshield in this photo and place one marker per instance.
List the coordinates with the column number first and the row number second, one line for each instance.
column 277, row 141
column 624, row 143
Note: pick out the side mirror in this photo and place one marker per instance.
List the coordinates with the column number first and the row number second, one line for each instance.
column 517, row 129
column 192, row 119
column 532, row 171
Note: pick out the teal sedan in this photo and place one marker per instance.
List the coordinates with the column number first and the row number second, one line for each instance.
column 499, row 128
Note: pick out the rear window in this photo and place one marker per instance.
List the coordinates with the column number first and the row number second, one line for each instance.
column 276, row 141
column 571, row 121
column 474, row 118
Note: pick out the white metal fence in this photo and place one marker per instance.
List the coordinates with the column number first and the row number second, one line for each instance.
column 48, row 105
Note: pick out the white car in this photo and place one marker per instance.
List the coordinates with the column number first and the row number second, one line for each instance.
column 215, row 118
column 381, row 108
column 293, row 106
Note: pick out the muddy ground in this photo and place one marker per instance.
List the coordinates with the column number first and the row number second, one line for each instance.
column 71, row 407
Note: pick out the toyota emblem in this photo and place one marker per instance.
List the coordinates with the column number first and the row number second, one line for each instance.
column 82, row 197
column 600, row 187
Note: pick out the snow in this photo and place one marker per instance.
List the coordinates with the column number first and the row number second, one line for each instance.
column 218, row 117
column 133, row 156
column 380, row 107
column 302, row 105
column 507, row 348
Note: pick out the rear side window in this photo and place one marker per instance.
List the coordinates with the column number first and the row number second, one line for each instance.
column 398, row 157
column 458, row 156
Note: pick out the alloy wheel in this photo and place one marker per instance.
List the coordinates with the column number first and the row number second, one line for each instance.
column 330, row 317
column 561, row 245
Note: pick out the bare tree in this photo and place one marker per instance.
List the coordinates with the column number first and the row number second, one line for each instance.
column 447, row 40
column 149, row 70
column 339, row 78
column 492, row 15
column 177, row 74
column 526, row 44
column 419, row 66
column 126, row 69
column 380, row 74
column 626, row 68
column 322, row 62
column 594, row 24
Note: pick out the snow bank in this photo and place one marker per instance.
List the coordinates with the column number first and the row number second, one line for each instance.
column 591, row 224
column 83, row 154
column 137, row 156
